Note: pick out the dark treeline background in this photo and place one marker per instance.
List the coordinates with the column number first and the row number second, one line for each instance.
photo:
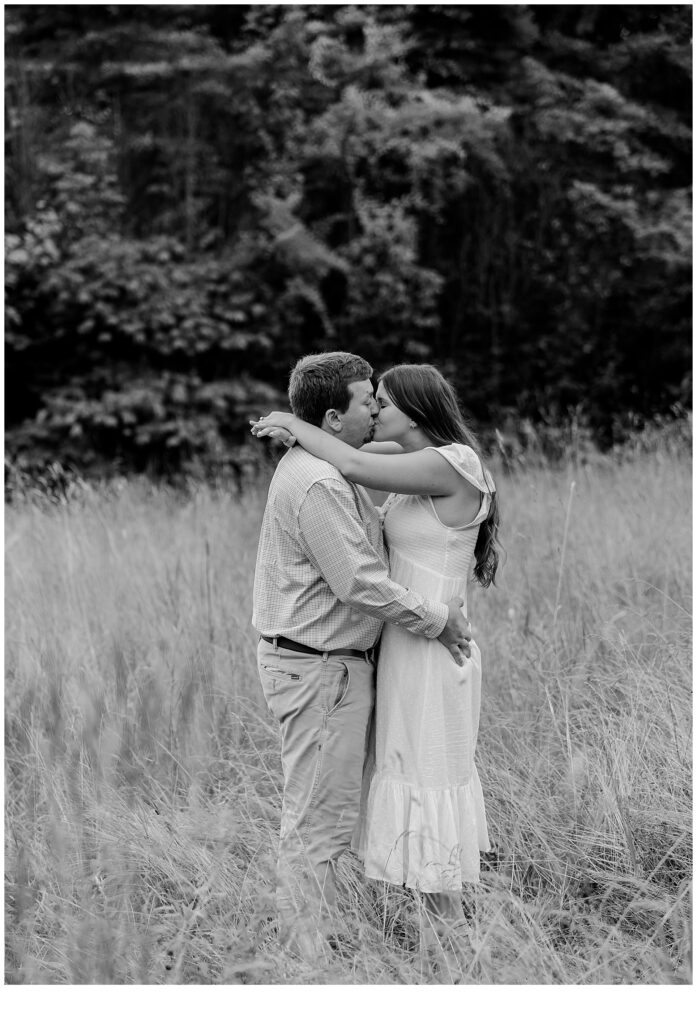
column 197, row 195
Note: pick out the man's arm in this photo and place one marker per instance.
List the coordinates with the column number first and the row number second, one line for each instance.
column 334, row 539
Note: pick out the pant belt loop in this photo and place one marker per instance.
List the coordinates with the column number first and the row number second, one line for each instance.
column 275, row 643
column 325, row 656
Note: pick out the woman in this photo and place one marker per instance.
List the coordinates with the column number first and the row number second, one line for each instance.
column 423, row 823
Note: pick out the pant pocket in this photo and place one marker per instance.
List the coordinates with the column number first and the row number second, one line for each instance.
column 336, row 686
column 276, row 672
column 282, row 689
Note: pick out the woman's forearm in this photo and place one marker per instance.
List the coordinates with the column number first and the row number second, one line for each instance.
column 421, row 472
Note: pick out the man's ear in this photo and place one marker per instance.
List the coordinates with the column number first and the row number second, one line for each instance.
column 333, row 420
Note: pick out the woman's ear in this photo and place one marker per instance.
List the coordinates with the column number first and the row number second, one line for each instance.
column 333, row 421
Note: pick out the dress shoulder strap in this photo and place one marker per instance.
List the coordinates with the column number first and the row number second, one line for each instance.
column 467, row 463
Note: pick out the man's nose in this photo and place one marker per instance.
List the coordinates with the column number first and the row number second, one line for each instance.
column 375, row 408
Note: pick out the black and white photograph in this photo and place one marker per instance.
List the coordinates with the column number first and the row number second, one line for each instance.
column 348, row 497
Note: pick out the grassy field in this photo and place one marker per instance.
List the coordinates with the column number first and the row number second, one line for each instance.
column 143, row 777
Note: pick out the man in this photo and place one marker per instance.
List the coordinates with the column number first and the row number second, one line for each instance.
column 321, row 589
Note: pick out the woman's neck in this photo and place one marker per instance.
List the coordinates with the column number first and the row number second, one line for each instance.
column 415, row 441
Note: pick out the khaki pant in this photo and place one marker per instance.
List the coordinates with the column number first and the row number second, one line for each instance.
column 323, row 706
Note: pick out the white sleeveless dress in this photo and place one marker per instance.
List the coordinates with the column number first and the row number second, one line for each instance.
column 422, row 819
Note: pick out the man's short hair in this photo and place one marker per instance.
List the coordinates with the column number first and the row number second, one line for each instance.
column 320, row 382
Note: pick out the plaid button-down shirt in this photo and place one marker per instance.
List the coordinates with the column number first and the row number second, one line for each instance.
column 322, row 572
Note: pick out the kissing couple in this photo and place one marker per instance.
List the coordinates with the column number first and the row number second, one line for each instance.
column 377, row 747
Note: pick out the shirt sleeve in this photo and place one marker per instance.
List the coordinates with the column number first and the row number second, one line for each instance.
column 334, row 539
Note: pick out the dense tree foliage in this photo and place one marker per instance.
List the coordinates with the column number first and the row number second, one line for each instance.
column 196, row 195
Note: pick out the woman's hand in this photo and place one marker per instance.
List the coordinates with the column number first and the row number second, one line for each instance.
column 276, row 425
column 263, row 426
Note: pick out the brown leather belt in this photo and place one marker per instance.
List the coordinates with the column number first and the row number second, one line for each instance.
column 340, row 652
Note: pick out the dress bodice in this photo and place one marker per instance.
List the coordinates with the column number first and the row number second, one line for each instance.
column 414, row 532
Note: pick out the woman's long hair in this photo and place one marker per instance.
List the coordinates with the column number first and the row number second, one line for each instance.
column 421, row 392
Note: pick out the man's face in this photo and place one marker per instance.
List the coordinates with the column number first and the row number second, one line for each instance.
column 358, row 422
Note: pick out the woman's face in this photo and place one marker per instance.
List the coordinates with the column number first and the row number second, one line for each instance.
column 392, row 424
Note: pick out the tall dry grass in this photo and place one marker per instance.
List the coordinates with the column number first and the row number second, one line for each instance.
column 143, row 772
